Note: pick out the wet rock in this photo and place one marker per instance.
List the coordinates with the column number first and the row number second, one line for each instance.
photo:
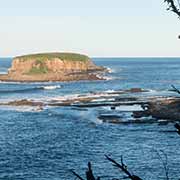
column 24, row 102
column 113, row 121
column 113, row 108
column 122, row 99
column 135, row 121
column 136, row 90
column 79, row 109
column 165, row 108
column 139, row 114
column 108, row 118
column 163, row 122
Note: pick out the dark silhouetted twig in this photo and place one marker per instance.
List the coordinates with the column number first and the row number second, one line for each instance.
column 175, row 89
column 89, row 174
column 123, row 167
column 177, row 126
column 164, row 162
column 78, row 176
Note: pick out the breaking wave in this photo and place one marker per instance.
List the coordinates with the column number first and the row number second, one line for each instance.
column 25, row 90
column 51, row 87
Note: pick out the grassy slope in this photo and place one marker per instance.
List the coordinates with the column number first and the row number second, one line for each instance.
column 50, row 56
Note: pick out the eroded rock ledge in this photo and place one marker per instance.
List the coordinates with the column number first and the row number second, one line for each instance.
column 148, row 109
column 53, row 67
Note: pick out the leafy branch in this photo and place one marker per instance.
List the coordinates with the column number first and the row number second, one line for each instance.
column 174, row 6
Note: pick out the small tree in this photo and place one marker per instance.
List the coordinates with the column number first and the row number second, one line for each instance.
column 174, row 6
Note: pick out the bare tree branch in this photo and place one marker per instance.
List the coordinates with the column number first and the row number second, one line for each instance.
column 164, row 161
column 78, row 176
column 89, row 174
column 175, row 89
column 123, row 167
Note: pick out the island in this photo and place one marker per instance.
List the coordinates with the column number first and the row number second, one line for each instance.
column 53, row 67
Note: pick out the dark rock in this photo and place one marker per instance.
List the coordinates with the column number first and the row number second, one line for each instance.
column 136, row 90
column 165, row 109
column 24, row 102
column 113, row 107
column 140, row 114
column 123, row 99
column 116, row 119
column 168, row 109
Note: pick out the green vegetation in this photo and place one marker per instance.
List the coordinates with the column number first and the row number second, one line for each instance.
column 39, row 68
column 49, row 56
column 36, row 70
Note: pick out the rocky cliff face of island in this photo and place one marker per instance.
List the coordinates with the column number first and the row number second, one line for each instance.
column 52, row 67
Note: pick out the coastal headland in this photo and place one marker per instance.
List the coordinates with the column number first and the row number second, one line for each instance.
column 52, row 67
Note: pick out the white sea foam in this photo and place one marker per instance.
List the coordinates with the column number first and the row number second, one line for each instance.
column 129, row 108
column 67, row 97
column 110, row 70
column 98, row 121
column 123, row 108
column 108, row 78
column 95, row 97
column 9, row 82
column 99, row 95
column 103, row 77
column 51, row 87
column 152, row 90
column 20, row 108
column 110, row 91
column 102, row 100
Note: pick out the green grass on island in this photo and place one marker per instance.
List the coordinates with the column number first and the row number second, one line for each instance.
column 35, row 70
column 40, row 68
column 51, row 56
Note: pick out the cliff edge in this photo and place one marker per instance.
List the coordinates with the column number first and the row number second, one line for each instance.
column 52, row 67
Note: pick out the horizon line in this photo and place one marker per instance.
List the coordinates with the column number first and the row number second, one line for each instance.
column 115, row 57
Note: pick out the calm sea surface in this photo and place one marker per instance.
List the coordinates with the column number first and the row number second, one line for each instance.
column 46, row 145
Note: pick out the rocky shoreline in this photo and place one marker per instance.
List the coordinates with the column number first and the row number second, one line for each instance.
column 53, row 77
column 157, row 109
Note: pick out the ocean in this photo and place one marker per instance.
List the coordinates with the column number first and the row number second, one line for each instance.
column 48, row 144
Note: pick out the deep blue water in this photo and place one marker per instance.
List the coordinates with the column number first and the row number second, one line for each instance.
column 46, row 145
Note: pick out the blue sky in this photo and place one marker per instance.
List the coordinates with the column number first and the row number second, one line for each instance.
column 94, row 27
